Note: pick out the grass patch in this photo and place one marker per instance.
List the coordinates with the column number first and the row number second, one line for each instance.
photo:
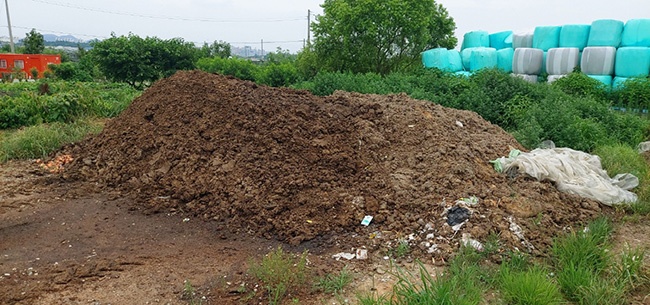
column 280, row 273
column 334, row 283
column 529, row 287
column 621, row 158
column 586, row 270
column 40, row 140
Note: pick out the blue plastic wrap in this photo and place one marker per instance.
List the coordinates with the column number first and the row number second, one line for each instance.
column 504, row 59
column 632, row 61
column 605, row 33
column 475, row 39
column 481, row 58
column 574, row 36
column 501, row 40
column 605, row 79
column 546, row 37
column 443, row 59
column 636, row 33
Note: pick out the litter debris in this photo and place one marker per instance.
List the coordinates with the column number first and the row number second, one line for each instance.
column 516, row 229
column 468, row 241
column 470, row 201
column 459, row 124
column 362, row 254
column 456, row 215
column 345, row 255
column 366, row 220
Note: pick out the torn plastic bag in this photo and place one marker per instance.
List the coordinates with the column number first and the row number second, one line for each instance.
column 573, row 172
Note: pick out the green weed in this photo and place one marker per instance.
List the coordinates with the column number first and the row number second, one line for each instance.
column 38, row 141
column 529, row 287
column 280, row 273
column 334, row 283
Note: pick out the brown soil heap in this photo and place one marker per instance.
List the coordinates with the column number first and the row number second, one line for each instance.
column 286, row 164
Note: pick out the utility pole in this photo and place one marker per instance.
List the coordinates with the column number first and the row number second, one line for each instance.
column 308, row 27
column 262, row 43
column 11, row 36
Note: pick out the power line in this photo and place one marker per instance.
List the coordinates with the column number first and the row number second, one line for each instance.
column 62, row 4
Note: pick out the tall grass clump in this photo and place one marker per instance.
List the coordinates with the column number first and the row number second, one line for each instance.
column 280, row 273
column 528, row 287
column 40, row 140
column 587, row 271
column 621, row 158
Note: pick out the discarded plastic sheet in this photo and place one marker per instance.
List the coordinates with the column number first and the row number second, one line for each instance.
column 366, row 220
column 457, row 215
column 573, row 172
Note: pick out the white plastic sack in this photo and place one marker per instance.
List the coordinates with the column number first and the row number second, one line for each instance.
column 573, row 172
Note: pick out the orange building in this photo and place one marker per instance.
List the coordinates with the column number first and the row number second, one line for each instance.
column 26, row 62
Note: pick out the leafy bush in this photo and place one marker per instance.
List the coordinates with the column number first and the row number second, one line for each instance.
column 580, row 85
column 278, row 75
column 23, row 104
column 633, row 95
column 239, row 68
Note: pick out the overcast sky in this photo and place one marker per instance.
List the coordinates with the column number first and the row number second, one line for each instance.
column 280, row 22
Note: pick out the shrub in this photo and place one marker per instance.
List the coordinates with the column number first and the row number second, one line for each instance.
column 633, row 95
column 578, row 84
column 239, row 68
column 278, row 75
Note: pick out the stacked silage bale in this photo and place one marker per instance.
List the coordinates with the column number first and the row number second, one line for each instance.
column 633, row 57
column 546, row 38
column 599, row 57
column 476, row 52
column 443, row 59
column 564, row 59
column 502, row 42
column 527, row 63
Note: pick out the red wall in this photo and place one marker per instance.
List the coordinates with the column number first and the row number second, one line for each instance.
column 38, row 61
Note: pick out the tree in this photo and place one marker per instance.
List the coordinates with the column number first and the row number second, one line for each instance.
column 34, row 42
column 141, row 61
column 379, row 35
column 219, row 49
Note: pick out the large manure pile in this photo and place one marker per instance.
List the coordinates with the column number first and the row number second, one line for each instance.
column 286, row 164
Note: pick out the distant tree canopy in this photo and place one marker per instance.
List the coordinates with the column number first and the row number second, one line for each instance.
column 34, row 43
column 379, row 36
column 141, row 61
column 219, row 49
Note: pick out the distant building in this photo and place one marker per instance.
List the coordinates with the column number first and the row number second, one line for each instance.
column 10, row 63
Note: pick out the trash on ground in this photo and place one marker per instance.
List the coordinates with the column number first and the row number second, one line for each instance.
column 362, row 254
column 457, row 214
column 345, row 255
column 468, row 241
column 366, row 220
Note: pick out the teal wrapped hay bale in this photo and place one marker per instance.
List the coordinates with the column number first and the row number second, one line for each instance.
column 632, row 61
column 605, row 79
column 605, row 33
column 522, row 40
column 598, row 60
column 501, row 40
column 561, row 61
column 475, row 39
column 527, row 61
column 504, row 59
column 465, row 55
column 455, row 61
column 443, row 59
column 482, row 58
column 636, row 33
column 574, row 36
column 546, row 37
column 619, row 82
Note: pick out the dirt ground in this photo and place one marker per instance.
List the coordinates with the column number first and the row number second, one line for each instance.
column 203, row 174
